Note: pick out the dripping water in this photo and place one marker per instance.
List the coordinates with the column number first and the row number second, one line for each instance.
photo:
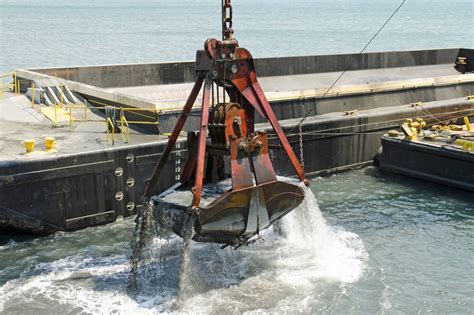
column 302, row 250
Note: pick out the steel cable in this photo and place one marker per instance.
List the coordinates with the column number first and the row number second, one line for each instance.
column 320, row 132
column 362, row 50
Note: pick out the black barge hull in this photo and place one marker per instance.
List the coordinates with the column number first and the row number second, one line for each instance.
column 71, row 192
column 443, row 165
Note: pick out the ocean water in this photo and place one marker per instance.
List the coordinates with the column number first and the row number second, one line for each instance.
column 376, row 244
column 367, row 243
column 51, row 33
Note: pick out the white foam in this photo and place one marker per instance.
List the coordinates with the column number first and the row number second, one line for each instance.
column 279, row 274
column 72, row 284
column 311, row 254
column 314, row 249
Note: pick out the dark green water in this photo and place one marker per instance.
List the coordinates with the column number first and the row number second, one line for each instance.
column 380, row 244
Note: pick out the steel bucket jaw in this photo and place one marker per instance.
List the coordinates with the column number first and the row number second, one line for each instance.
column 257, row 199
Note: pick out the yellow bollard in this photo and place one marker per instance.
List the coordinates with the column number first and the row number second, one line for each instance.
column 49, row 143
column 414, row 132
column 29, row 145
column 466, row 144
column 467, row 123
column 422, row 123
column 417, row 126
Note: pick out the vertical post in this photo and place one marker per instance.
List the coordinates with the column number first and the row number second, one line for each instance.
column 108, row 123
column 106, row 130
column 124, row 124
column 121, row 128
column 32, row 95
column 14, row 84
column 122, row 117
column 113, row 131
column 201, row 151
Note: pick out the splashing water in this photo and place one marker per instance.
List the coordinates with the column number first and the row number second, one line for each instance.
column 329, row 252
column 141, row 238
column 285, row 270
column 150, row 251
column 288, row 270
column 295, row 266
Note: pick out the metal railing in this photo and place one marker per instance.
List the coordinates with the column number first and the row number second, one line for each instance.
column 15, row 86
column 110, row 128
column 59, row 107
column 109, row 123
column 12, row 86
column 124, row 123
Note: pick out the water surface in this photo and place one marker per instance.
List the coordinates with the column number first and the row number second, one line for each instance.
column 377, row 243
column 50, row 33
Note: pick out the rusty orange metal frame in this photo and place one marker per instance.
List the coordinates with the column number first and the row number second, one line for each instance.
column 231, row 68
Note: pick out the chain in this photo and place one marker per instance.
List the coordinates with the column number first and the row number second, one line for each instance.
column 301, row 146
column 300, row 128
column 227, row 30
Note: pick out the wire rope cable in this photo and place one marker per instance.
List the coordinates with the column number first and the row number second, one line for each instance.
column 300, row 125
